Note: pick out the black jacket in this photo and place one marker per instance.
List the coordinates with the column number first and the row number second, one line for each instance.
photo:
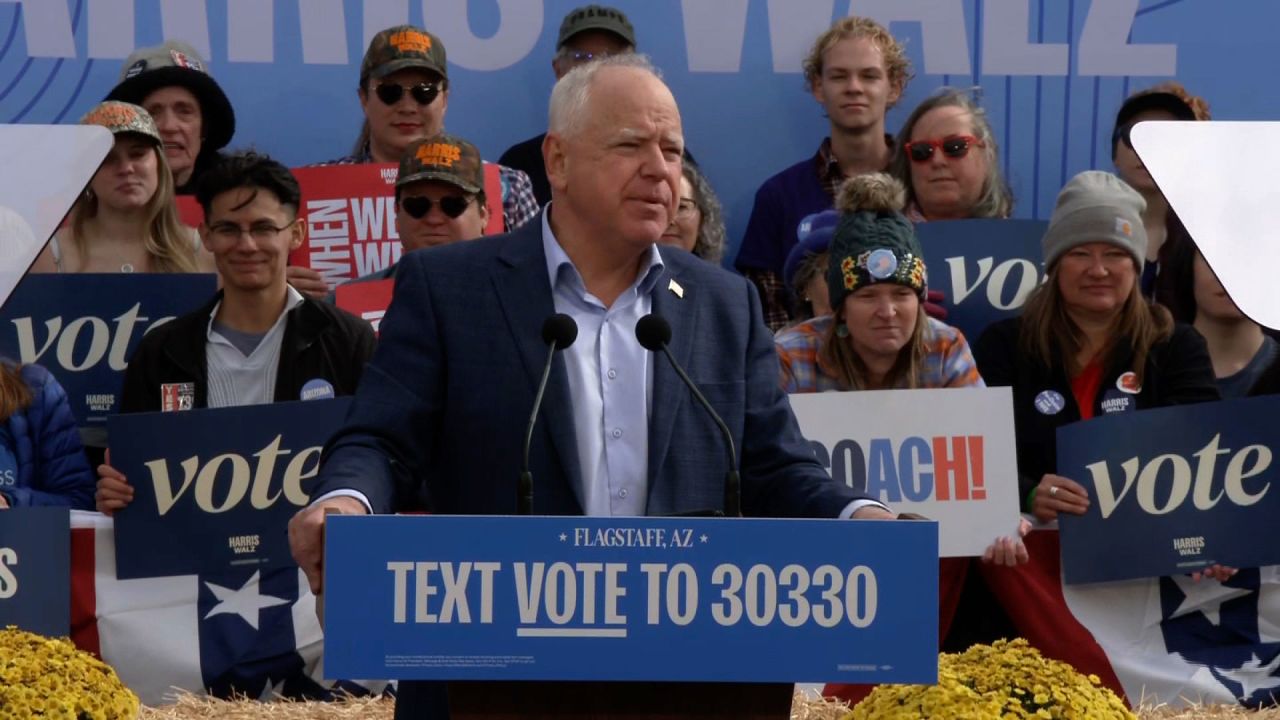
column 1178, row 371
column 320, row 341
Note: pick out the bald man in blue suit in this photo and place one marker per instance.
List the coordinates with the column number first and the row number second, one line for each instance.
column 440, row 412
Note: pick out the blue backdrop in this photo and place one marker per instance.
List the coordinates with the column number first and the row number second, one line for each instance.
column 1052, row 72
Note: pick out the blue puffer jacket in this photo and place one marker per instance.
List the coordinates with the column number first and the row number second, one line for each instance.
column 52, row 468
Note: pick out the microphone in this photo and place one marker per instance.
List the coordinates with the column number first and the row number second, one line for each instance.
column 654, row 332
column 558, row 332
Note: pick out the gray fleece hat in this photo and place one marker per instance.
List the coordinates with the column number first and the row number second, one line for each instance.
column 1096, row 206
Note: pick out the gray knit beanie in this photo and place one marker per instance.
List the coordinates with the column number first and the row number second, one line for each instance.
column 1096, row 206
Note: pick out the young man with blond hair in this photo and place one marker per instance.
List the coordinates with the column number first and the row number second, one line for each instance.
column 856, row 71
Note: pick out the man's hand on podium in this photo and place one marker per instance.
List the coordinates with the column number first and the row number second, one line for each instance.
column 306, row 535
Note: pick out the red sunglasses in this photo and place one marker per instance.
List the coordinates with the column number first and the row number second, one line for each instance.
column 953, row 146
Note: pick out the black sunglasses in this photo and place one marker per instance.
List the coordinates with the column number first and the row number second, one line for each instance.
column 390, row 93
column 451, row 205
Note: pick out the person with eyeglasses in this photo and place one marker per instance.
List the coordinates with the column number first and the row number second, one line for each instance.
column 698, row 225
column 586, row 33
column 439, row 197
column 856, row 70
column 258, row 340
column 948, row 160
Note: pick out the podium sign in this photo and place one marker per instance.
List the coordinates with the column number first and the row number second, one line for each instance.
column 35, row 569
column 631, row 599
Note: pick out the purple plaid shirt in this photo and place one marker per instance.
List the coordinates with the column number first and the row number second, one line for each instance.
column 518, row 203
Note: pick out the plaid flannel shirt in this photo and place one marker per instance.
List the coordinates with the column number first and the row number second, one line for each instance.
column 518, row 203
column 947, row 363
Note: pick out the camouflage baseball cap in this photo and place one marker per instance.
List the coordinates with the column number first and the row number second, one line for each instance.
column 596, row 17
column 122, row 117
column 446, row 158
column 400, row 47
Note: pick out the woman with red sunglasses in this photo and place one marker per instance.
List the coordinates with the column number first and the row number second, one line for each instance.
column 947, row 158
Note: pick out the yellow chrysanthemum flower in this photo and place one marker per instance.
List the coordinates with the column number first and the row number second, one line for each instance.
column 51, row 678
column 1006, row 680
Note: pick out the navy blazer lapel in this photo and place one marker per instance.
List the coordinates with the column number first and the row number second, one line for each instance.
column 675, row 300
column 524, row 292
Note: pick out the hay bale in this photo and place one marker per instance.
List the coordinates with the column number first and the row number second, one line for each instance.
column 193, row 707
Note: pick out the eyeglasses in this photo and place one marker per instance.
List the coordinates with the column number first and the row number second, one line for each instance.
column 953, row 146
column 260, row 232
column 390, row 93
column 451, row 205
column 578, row 57
column 686, row 208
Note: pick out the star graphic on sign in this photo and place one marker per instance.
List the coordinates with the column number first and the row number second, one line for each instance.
column 1254, row 675
column 246, row 602
column 703, row 538
column 563, row 537
column 1206, row 597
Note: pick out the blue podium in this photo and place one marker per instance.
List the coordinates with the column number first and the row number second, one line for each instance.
column 578, row 616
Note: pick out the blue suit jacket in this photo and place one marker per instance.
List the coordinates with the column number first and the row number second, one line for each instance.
column 440, row 411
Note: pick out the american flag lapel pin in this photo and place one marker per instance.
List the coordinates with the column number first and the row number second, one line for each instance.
column 674, row 287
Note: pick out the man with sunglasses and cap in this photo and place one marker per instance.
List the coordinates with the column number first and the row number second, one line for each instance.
column 404, row 92
column 586, row 33
column 439, row 197
column 192, row 113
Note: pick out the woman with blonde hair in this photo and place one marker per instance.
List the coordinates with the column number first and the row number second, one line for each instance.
column 126, row 220
column 948, row 161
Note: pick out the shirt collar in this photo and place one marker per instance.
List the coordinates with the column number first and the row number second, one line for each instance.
column 292, row 299
column 828, row 165
column 562, row 273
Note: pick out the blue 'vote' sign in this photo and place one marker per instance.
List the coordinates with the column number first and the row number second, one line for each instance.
column 84, row 327
column 631, row 599
column 35, row 569
column 1172, row 490
column 215, row 488
column 986, row 268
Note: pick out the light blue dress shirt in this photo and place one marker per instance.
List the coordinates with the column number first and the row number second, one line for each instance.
column 610, row 380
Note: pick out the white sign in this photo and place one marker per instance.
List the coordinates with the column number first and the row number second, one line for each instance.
column 945, row 454
column 1217, row 177
column 33, row 204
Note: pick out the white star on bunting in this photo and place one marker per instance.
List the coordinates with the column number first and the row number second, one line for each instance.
column 246, row 602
